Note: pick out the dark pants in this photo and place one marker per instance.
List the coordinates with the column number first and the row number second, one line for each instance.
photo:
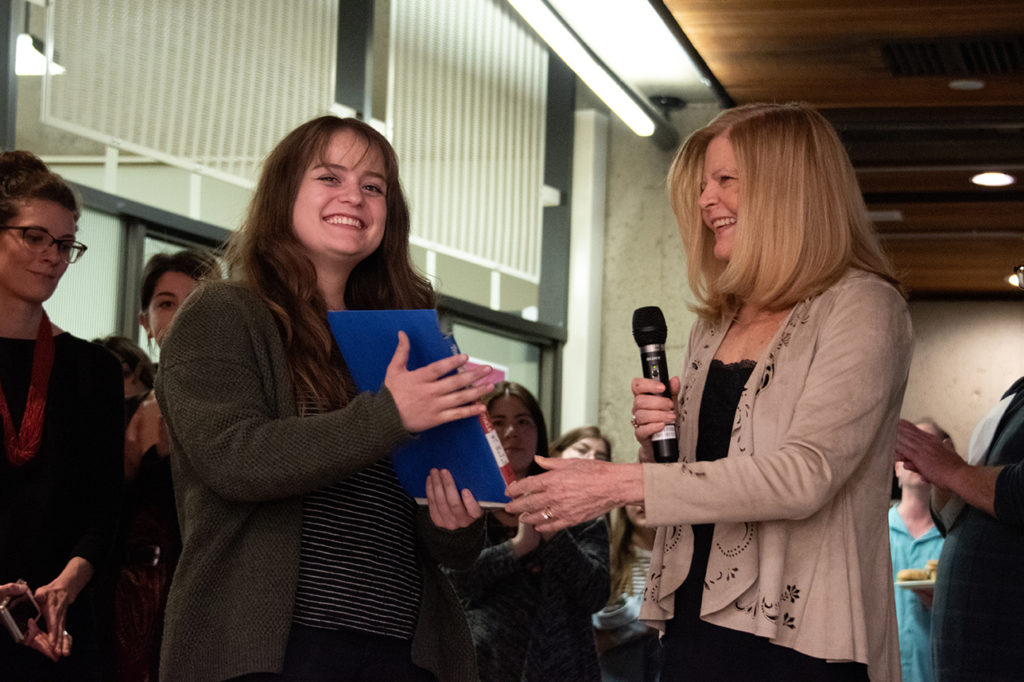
column 315, row 655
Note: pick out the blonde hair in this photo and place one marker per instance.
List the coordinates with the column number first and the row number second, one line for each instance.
column 802, row 219
column 621, row 553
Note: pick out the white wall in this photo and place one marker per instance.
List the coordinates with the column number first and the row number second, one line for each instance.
column 581, row 355
column 966, row 354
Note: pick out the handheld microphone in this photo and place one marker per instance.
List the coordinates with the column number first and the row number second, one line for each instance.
column 650, row 332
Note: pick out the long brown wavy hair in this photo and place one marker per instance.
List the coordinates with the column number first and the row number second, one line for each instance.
column 266, row 257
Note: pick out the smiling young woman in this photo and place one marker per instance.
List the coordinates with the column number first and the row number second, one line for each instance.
column 62, row 421
column 302, row 557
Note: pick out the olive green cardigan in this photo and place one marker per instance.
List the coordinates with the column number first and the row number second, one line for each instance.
column 242, row 461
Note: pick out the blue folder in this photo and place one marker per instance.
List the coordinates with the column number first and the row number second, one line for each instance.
column 367, row 339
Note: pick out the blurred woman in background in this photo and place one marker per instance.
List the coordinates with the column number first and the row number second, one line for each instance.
column 583, row 442
column 150, row 541
column 530, row 595
column 628, row 649
column 62, row 425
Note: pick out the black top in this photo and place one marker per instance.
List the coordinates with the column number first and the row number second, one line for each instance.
column 694, row 649
column 65, row 501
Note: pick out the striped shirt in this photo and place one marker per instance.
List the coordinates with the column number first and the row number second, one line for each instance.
column 357, row 566
column 638, row 570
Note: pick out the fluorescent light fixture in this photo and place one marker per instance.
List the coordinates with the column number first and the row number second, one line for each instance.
column 552, row 29
column 30, row 61
column 993, row 179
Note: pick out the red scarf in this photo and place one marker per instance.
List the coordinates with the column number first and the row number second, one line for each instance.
column 22, row 445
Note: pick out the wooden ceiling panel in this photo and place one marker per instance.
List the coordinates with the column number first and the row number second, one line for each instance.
column 956, row 266
column 955, row 217
column 914, row 141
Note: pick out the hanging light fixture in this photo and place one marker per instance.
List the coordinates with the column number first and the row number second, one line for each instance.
column 1017, row 278
column 30, row 61
column 553, row 30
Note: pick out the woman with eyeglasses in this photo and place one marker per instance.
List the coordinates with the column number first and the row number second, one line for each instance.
column 62, row 425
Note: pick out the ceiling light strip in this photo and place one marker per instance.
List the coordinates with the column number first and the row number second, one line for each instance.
column 567, row 45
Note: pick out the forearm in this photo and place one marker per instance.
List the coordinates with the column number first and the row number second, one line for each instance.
column 976, row 485
column 76, row 575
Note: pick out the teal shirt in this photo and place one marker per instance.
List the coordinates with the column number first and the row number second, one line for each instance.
column 915, row 621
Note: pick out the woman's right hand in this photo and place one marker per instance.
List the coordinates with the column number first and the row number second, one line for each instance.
column 145, row 430
column 652, row 411
column 426, row 397
column 34, row 637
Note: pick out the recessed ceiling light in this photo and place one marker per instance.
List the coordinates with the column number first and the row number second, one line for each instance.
column 966, row 84
column 993, row 179
column 886, row 216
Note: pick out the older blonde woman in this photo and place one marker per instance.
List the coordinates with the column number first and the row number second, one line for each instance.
column 771, row 560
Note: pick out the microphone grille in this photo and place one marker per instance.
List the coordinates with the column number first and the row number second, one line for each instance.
column 649, row 326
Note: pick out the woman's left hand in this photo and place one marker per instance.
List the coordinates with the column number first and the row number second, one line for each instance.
column 573, row 491
column 54, row 600
column 449, row 508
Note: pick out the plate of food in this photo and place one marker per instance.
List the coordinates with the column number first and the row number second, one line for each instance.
column 917, row 578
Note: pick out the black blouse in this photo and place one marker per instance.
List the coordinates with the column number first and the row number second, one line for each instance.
column 65, row 501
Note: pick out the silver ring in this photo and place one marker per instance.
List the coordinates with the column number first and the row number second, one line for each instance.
column 632, row 420
column 547, row 515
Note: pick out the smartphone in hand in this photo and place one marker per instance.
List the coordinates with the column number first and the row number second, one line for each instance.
column 16, row 611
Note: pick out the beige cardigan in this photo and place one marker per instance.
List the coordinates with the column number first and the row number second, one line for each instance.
column 801, row 546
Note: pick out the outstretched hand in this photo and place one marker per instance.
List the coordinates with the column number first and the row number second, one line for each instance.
column 652, row 411
column 432, row 395
column 572, row 491
column 450, row 509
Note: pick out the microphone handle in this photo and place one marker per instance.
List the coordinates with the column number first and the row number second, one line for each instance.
column 666, row 451
column 655, row 366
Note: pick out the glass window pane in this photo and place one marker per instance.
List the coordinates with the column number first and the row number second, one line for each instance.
column 86, row 300
column 519, row 360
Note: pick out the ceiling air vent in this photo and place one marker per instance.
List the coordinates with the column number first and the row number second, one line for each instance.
column 956, row 58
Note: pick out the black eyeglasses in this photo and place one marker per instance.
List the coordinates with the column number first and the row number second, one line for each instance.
column 39, row 240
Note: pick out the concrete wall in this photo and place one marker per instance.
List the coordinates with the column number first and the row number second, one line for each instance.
column 643, row 265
